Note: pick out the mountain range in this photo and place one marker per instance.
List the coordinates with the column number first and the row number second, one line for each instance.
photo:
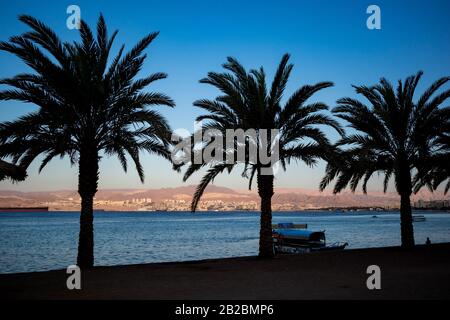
column 283, row 198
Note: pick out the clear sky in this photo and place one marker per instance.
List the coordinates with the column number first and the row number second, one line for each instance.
column 328, row 41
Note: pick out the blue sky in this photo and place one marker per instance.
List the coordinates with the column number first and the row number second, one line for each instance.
column 327, row 40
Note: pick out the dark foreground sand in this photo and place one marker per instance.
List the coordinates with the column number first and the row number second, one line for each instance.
column 421, row 273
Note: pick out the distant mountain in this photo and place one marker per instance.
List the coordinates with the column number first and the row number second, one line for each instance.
column 17, row 198
column 293, row 197
column 161, row 194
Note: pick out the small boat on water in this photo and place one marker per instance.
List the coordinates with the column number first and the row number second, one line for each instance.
column 295, row 238
column 419, row 218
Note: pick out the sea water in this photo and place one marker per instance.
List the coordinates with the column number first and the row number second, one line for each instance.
column 48, row 241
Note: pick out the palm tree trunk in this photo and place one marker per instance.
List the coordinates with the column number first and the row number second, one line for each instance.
column 405, row 189
column 406, row 222
column 87, row 188
column 265, row 191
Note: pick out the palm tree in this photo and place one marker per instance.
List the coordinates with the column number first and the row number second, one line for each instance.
column 436, row 169
column 10, row 171
column 246, row 103
column 87, row 107
column 441, row 170
column 394, row 135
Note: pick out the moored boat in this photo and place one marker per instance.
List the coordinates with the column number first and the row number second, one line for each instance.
column 419, row 218
column 292, row 238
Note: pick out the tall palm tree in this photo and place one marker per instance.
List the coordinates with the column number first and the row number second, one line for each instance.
column 87, row 107
column 247, row 103
column 393, row 135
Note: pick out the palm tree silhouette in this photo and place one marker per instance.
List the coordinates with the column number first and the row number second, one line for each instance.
column 436, row 168
column 10, row 171
column 87, row 107
column 395, row 136
column 247, row 103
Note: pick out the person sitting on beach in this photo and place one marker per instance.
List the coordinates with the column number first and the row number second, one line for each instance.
column 428, row 242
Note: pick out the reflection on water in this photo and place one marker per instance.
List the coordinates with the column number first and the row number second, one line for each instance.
column 45, row 241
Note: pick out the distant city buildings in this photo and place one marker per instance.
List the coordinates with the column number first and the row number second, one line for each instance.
column 435, row 204
column 180, row 200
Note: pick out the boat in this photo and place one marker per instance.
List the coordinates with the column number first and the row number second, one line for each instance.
column 295, row 238
column 24, row 209
column 419, row 218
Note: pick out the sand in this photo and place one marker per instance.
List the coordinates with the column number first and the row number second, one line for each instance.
column 420, row 273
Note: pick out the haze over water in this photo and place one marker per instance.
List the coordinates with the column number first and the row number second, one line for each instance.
column 48, row 241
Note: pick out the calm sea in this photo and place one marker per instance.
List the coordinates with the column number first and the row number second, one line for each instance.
column 46, row 241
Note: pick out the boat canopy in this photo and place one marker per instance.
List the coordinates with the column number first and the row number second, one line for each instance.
column 290, row 225
column 301, row 234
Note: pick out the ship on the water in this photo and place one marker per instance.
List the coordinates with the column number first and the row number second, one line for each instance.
column 24, row 209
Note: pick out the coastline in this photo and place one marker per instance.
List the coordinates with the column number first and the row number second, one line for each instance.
column 419, row 273
column 321, row 211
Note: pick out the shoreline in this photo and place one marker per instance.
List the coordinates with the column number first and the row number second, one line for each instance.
column 419, row 273
column 337, row 211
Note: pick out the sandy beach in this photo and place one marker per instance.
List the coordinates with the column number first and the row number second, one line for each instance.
column 420, row 273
